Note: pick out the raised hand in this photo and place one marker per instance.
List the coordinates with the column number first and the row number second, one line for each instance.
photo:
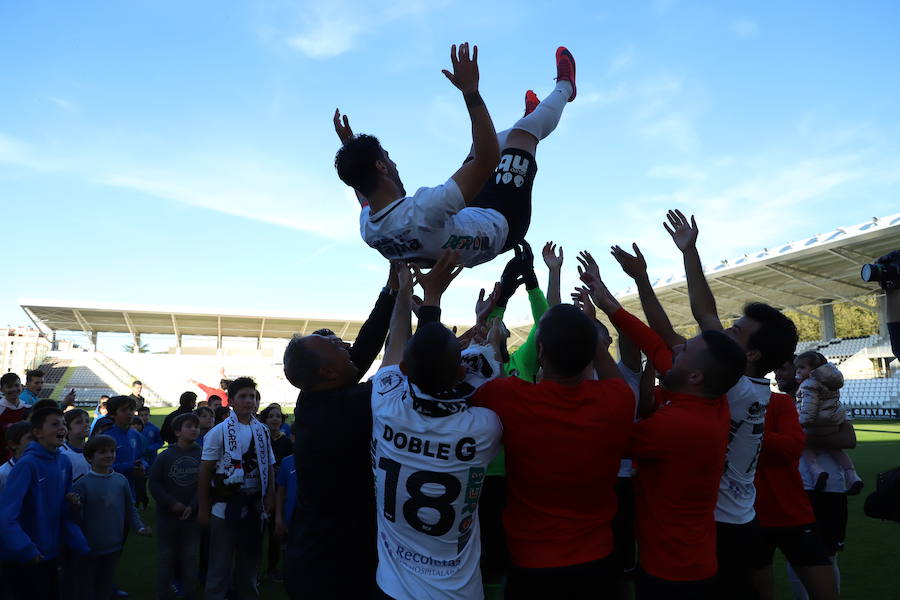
column 587, row 266
column 436, row 281
column 634, row 266
column 342, row 127
column 581, row 298
column 683, row 233
column 589, row 273
column 401, row 278
column 484, row 306
column 465, row 68
column 553, row 261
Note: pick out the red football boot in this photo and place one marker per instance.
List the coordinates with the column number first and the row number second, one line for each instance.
column 531, row 102
column 565, row 68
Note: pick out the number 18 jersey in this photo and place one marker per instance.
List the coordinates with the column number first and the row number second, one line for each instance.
column 429, row 458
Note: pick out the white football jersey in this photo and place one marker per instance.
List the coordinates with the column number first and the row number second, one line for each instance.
column 429, row 470
column 418, row 228
column 747, row 402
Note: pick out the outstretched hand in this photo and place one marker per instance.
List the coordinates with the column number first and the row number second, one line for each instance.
column 436, row 281
column 553, row 261
column 589, row 273
column 683, row 232
column 465, row 68
column 634, row 266
column 581, row 298
column 342, row 127
column 484, row 306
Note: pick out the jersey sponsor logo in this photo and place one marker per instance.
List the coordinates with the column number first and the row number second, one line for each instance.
column 419, row 563
column 470, row 506
column 464, row 449
column 467, row 242
column 512, row 168
column 394, row 247
column 390, row 381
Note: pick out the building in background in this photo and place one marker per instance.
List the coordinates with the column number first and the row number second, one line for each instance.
column 21, row 349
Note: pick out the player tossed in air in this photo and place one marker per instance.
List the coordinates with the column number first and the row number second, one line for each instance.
column 484, row 209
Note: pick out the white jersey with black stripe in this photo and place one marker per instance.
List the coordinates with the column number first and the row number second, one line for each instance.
column 429, row 456
column 747, row 403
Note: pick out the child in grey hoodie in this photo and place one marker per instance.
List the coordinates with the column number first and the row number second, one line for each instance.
column 107, row 508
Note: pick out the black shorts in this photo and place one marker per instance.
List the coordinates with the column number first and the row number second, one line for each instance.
column 802, row 546
column 594, row 580
column 830, row 509
column 648, row 587
column 623, row 528
column 494, row 553
column 508, row 191
column 735, row 546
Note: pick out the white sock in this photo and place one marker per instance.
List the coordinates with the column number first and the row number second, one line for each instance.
column 796, row 585
column 544, row 118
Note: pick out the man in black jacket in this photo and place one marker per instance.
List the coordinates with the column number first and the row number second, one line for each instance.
column 186, row 404
column 331, row 550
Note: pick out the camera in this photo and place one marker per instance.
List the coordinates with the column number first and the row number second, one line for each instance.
column 885, row 270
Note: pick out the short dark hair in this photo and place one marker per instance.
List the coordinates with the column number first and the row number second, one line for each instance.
column 812, row 358
column 183, row 418
column 98, row 442
column 210, row 399
column 431, row 358
column 238, row 384
column 569, row 339
column 301, row 364
column 187, row 399
column 203, row 409
column 776, row 339
column 102, row 397
column 17, row 431
column 724, row 363
column 137, row 421
column 324, row 332
column 222, row 413
column 99, row 424
column 71, row 415
column 45, row 403
column 264, row 414
column 224, row 383
column 39, row 416
column 33, row 373
column 136, row 382
column 143, row 409
column 116, row 402
column 355, row 163
column 9, row 378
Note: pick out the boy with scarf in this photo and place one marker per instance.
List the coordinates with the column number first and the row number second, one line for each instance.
column 236, row 494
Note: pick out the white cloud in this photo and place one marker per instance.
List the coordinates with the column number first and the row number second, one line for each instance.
column 62, row 103
column 333, row 28
column 14, row 151
column 745, row 28
column 621, row 61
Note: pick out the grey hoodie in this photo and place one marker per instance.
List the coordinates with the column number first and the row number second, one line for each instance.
column 106, row 507
column 820, row 398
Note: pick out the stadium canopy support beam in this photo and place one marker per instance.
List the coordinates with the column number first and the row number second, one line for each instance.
column 135, row 337
column 787, row 272
column 262, row 330
column 344, row 330
column 40, row 325
column 828, row 331
column 219, row 335
column 852, row 256
column 89, row 333
column 882, row 318
column 177, row 335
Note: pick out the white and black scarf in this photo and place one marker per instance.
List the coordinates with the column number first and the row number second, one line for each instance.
column 231, row 464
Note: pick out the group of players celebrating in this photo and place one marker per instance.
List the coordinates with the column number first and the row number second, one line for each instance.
column 403, row 478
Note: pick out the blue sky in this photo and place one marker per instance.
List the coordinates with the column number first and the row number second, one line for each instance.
column 180, row 153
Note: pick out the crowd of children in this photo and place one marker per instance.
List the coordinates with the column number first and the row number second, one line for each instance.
column 71, row 490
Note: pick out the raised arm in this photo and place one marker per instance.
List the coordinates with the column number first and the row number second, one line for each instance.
column 603, row 364
column 703, row 303
column 401, row 320
column 434, row 283
column 344, row 133
column 373, row 332
column 636, row 268
column 554, row 263
column 471, row 177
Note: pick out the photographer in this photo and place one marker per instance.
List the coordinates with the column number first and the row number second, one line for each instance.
column 886, row 271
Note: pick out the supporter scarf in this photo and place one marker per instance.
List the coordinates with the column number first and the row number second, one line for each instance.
column 481, row 366
column 231, row 465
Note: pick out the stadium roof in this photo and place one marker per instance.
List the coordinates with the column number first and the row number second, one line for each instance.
column 136, row 320
column 808, row 272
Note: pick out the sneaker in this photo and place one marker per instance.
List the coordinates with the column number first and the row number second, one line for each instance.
column 565, row 68
column 854, row 482
column 531, row 102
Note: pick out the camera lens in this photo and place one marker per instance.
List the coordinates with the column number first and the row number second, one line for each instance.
column 869, row 273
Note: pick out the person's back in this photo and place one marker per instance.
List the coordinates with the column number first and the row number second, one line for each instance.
column 430, row 457
column 563, row 448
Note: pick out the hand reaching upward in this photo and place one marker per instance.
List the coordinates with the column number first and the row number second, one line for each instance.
column 465, row 68
column 634, row 266
column 551, row 259
column 484, row 306
column 436, row 281
column 589, row 273
column 683, row 233
column 342, row 128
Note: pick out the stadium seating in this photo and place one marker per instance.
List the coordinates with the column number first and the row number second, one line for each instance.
column 838, row 350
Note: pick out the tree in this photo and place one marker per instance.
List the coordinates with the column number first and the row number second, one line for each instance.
column 142, row 349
